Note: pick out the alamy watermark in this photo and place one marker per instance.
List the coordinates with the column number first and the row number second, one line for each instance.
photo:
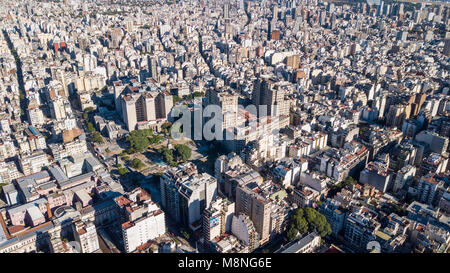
column 216, row 123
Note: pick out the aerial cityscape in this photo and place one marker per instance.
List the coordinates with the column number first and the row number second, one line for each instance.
column 224, row 126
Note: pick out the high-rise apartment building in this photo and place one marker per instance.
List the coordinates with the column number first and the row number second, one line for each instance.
column 397, row 114
column 217, row 219
column 57, row 108
column 185, row 194
column 267, row 92
column 377, row 174
column 228, row 102
column 335, row 215
column 142, row 220
column 35, row 116
column 153, row 68
column 226, row 10
column 360, row 227
column 430, row 190
column 163, row 103
column 85, row 234
column 244, row 229
column 437, row 144
column 145, row 107
column 403, row 175
column 256, row 206
column 196, row 194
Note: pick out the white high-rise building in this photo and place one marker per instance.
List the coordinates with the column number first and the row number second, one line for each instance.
column 85, row 234
column 185, row 194
column 403, row 175
column 57, row 108
column 142, row 220
column 217, row 219
column 35, row 116
column 147, row 228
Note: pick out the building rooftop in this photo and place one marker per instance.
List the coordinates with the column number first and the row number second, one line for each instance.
column 297, row 245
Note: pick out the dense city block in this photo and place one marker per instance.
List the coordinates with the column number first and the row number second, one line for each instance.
column 224, row 126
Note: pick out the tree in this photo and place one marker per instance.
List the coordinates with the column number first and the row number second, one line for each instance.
column 339, row 186
column 175, row 99
column 90, row 127
column 299, row 221
column 123, row 171
column 89, row 109
column 291, row 234
column 317, row 221
column 97, row 137
column 197, row 94
column 301, row 225
column 183, row 152
column 165, row 128
column 299, row 213
column 350, row 181
column 307, row 220
column 137, row 163
column 399, row 210
column 1, row 187
column 167, row 154
column 155, row 139
column 86, row 112
column 138, row 139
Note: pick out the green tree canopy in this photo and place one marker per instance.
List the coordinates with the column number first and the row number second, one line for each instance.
column 123, row 171
column 183, row 152
column 97, row 137
column 167, row 154
column 155, row 139
column 90, row 127
column 350, row 181
column 138, row 139
column 301, row 224
column 175, row 99
column 165, row 128
column 292, row 233
column 298, row 213
column 317, row 221
column 137, row 163
column 89, row 109
column 307, row 220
